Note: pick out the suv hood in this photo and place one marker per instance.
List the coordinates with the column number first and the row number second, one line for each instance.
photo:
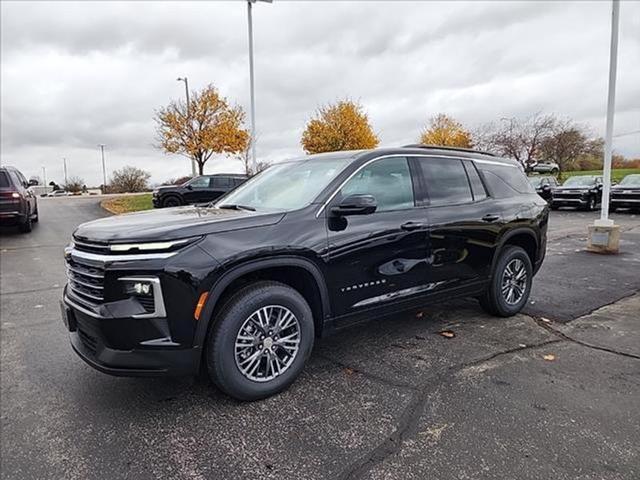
column 577, row 187
column 171, row 224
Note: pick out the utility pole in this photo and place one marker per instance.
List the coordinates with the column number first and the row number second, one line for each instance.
column 194, row 171
column 44, row 178
column 64, row 164
column 604, row 235
column 104, row 169
column 251, row 82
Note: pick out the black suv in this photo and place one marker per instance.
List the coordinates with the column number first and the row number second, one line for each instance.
column 243, row 286
column 202, row 189
column 18, row 204
column 580, row 191
column 626, row 194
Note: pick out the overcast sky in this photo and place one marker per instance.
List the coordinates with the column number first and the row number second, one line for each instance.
column 78, row 74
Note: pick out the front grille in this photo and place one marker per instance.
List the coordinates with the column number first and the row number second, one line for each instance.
column 625, row 196
column 91, row 246
column 88, row 341
column 86, row 281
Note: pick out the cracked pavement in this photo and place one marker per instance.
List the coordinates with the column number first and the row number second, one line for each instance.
column 552, row 392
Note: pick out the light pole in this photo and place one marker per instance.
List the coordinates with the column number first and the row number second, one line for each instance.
column 604, row 236
column 251, row 81
column 64, row 165
column 44, row 178
column 104, row 169
column 186, row 91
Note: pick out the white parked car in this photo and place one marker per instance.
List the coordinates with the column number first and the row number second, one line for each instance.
column 545, row 167
column 58, row 193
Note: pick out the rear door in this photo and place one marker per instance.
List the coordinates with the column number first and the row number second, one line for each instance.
column 219, row 186
column 380, row 258
column 464, row 222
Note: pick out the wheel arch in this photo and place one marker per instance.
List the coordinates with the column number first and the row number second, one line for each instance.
column 523, row 237
column 308, row 281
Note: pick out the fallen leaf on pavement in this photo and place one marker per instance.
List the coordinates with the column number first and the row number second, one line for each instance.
column 447, row 333
column 549, row 357
column 419, row 314
column 349, row 371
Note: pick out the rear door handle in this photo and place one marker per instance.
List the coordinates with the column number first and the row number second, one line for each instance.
column 409, row 226
column 490, row 217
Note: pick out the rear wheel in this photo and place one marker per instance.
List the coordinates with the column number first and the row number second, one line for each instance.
column 35, row 216
column 510, row 284
column 261, row 341
column 171, row 201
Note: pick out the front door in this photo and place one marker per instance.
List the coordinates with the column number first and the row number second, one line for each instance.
column 381, row 257
column 197, row 190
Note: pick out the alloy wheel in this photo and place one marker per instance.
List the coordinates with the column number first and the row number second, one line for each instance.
column 267, row 343
column 514, row 281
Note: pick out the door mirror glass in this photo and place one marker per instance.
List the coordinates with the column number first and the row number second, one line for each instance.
column 355, row 205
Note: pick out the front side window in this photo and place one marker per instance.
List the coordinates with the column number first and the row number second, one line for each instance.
column 388, row 180
column 199, row 182
column 446, row 179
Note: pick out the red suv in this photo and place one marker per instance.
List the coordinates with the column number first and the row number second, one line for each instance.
column 18, row 204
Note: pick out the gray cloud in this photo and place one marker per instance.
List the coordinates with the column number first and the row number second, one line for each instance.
column 81, row 73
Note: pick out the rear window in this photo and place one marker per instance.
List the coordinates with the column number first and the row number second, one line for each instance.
column 220, row 182
column 4, row 180
column 505, row 180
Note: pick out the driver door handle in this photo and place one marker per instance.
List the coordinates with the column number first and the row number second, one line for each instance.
column 490, row 217
column 409, row 226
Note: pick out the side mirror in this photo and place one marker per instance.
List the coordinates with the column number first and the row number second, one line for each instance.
column 189, row 187
column 355, row 205
column 546, row 187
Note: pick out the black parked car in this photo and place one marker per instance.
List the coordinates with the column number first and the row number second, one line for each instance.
column 202, row 189
column 581, row 191
column 626, row 194
column 306, row 247
column 18, row 204
column 544, row 185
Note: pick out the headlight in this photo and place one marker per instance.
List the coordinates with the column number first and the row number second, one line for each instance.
column 152, row 246
column 147, row 291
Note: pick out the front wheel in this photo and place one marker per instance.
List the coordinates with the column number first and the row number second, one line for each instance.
column 260, row 341
column 510, row 284
column 591, row 205
column 171, row 201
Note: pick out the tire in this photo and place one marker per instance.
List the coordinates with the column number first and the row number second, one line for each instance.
column 171, row 201
column 591, row 206
column 35, row 216
column 494, row 301
column 612, row 209
column 26, row 226
column 223, row 358
column 554, row 171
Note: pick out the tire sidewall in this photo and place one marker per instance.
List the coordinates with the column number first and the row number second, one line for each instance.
column 165, row 202
column 221, row 341
column 508, row 255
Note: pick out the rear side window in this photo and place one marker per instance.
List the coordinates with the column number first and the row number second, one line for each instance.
column 447, row 182
column 505, row 180
column 477, row 188
column 220, row 182
column 4, row 180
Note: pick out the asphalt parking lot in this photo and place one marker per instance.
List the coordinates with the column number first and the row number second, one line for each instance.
column 550, row 393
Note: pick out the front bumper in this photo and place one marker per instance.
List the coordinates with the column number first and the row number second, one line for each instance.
column 621, row 202
column 12, row 218
column 90, row 338
column 570, row 202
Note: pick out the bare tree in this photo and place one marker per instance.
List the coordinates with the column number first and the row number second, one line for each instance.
column 517, row 138
column 129, row 179
column 74, row 184
column 245, row 157
column 569, row 144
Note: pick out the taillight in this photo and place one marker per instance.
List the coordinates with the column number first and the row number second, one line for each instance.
column 15, row 195
column 11, row 196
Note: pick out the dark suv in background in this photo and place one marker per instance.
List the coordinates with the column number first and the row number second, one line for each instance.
column 626, row 194
column 18, row 204
column 544, row 185
column 242, row 287
column 580, row 191
column 202, row 189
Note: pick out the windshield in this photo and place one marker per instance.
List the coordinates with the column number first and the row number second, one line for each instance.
column 630, row 180
column 580, row 181
column 535, row 181
column 286, row 186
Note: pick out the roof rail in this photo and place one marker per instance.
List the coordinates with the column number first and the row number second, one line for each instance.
column 442, row 147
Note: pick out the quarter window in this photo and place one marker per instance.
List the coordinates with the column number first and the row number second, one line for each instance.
column 220, row 182
column 477, row 188
column 200, row 182
column 387, row 180
column 447, row 182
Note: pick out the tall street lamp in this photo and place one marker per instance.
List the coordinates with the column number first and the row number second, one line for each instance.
column 104, row 169
column 186, row 91
column 251, row 80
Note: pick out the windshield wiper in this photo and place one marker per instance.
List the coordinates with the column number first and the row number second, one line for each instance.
column 234, row 206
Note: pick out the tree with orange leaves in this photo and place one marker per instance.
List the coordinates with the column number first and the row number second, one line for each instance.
column 208, row 125
column 444, row 130
column 342, row 126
